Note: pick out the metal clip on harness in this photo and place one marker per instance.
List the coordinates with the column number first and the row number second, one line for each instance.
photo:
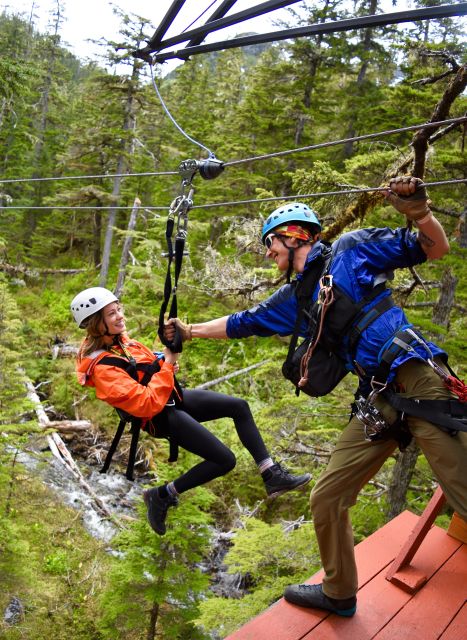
column 181, row 205
column 374, row 423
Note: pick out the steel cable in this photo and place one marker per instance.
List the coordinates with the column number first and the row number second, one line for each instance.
column 210, row 205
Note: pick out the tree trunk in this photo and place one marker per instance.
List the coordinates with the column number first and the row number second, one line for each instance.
column 421, row 139
column 97, row 224
column 153, row 622
column 401, row 477
column 42, row 126
column 463, row 230
column 442, row 309
column 126, row 248
column 110, row 226
column 367, row 44
column 128, row 125
column 314, row 62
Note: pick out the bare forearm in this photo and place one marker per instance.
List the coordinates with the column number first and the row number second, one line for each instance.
column 212, row 329
column 432, row 237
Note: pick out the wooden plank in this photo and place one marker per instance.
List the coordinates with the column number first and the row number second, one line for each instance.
column 416, row 538
column 428, row 612
column 380, row 602
column 458, row 528
column 457, row 629
column 284, row 621
column 409, row 578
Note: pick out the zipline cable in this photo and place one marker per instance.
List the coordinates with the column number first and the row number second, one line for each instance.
column 367, row 136
column 200, row 16
column 88, row 177
column 172, row 119
column 297, row 196
column 276, row 154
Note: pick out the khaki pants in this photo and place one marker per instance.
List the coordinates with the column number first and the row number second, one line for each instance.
column 354, row 461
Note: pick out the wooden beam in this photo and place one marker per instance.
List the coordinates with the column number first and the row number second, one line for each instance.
column 400, row 572
column 458, row 528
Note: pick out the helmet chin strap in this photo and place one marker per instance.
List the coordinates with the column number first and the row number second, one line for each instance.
column 291, row 250
column 115, row 336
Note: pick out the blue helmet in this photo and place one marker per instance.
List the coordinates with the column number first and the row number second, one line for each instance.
column 292, row 212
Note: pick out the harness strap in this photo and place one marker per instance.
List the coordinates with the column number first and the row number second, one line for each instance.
column 370, row 316
column 176, row 344
column 114, row 445
column 401, row 341
column 447, row 415
column 136, row 423
column 135, row 429
column 304, row 292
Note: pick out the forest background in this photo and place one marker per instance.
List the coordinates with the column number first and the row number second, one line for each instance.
column 61, row 119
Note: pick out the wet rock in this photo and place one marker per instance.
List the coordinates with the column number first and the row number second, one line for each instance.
column 14, row 613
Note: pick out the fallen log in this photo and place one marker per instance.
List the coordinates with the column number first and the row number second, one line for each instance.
column 211, row 383
column 43, row 418
column 67, row 426
column 64, row 350
column 21, row 270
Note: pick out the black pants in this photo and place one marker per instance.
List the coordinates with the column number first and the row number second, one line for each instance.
column 183, row 424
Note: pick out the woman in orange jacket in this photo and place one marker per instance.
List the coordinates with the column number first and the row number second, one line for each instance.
column 144, row 386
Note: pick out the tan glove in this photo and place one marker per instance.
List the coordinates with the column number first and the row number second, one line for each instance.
column 408, row 196
column 184, row 329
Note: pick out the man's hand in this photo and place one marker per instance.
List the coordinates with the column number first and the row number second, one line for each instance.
column 408, row 196
column 176, row 323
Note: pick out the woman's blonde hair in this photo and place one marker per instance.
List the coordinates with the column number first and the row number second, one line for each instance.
column 94, row 339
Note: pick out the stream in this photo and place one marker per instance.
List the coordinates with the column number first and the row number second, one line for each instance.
column 120, row 496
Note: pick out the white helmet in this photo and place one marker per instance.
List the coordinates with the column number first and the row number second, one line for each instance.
column 88, row 302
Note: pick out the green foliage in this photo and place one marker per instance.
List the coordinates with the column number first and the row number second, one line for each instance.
column 271, row 557
column 12, row 357
column 156, row 582
column 62, row 118
column 47, row 560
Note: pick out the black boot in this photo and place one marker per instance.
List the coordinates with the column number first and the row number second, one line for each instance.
column 311, row 595
column 157, row 508
column 278, row 480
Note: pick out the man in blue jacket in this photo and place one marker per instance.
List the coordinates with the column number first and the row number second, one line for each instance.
column 375, row 341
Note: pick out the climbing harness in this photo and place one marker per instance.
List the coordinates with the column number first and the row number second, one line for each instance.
column 178, row 218
column 136, row 424
column 325, row 299
column 449, row 415
column 316, row 366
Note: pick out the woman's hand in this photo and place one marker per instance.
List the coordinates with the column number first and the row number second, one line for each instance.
column 170, row 356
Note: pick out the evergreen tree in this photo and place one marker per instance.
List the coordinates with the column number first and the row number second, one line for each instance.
column 156, row 583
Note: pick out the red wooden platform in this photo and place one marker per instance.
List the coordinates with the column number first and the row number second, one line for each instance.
column 435, row 608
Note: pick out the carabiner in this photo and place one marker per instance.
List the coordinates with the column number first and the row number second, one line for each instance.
column 187, row 169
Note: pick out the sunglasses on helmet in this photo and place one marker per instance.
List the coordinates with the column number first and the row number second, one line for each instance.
column 269, row 239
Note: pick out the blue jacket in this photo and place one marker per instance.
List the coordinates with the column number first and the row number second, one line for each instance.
column 360, row 260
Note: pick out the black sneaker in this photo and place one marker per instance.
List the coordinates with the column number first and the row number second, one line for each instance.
column 278, row 480
column 157, row 509
column 311, row 595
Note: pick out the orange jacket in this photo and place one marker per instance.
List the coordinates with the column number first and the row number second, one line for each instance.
column 115, row 386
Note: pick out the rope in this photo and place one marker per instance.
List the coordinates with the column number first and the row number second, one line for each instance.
column 174, row 122
column 367, row 136
column 237, row 202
